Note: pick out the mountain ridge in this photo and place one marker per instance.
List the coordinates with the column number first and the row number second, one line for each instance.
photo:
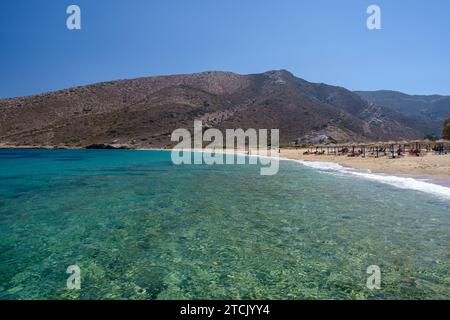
column 144, row 111
column 434, row 108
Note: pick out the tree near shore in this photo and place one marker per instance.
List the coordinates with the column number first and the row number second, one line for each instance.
column 446, row 131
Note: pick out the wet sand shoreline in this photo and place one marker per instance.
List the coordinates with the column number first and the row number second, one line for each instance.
column 427, row 166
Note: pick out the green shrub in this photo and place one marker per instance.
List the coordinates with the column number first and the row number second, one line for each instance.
column 446, row 131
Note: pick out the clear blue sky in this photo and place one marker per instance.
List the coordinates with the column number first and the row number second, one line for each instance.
column 318, row 40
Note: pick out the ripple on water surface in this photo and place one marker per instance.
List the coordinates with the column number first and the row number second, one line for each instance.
column 142, row 228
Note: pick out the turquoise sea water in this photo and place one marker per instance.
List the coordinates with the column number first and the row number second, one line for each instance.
column 142, row 228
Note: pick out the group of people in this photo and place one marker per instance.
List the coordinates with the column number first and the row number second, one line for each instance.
column 317, row 152
column 398, row 152
column 439, row 149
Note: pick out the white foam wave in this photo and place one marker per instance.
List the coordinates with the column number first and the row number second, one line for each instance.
column 396, row 181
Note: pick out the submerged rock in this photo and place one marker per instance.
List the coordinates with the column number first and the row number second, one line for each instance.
column 102, row 146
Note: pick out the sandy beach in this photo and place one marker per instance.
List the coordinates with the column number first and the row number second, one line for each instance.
column 429, row 165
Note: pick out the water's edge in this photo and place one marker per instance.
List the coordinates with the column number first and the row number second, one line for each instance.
column 428, row 185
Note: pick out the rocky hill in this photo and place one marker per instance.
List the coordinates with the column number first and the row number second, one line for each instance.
column 143, row 112
column 432, row 108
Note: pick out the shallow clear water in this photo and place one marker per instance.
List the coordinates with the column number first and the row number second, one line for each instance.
column 142, row 228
